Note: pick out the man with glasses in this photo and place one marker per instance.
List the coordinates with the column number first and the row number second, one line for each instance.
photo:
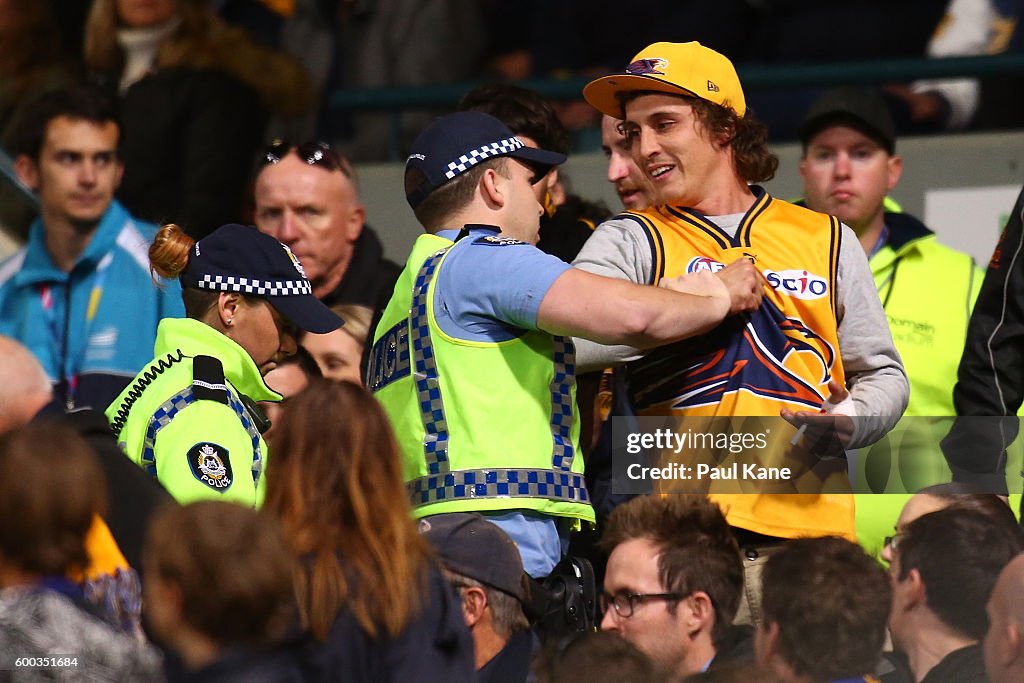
column 306, row 197
column 943, row 570
column 673, row 583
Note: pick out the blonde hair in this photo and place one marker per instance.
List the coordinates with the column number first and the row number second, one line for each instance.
column 205, row 41
column 357, row 321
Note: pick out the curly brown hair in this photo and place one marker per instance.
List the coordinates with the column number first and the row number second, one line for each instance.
column 747, row 136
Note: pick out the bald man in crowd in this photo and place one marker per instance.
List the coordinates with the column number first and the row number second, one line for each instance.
column 307, row 197
column 25, row 390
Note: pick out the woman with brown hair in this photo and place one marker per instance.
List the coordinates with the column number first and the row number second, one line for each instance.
column 368, row 589
column 190, row 418
column 52, row 493
column 195, row 96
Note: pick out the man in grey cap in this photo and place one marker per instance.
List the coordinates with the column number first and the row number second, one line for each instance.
column 483, row 565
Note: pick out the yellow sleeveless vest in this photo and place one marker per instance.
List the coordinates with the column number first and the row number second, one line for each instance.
column 481, row 425
column 782, row 355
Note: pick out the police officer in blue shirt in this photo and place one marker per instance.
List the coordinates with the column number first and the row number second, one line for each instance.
column 473, row 359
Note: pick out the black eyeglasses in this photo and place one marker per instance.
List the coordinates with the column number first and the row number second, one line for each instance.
column 313, row 152
column 892, row 541
column 625, row 603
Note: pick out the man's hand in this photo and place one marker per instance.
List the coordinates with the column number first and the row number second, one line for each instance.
column 825, row 433
column 745, row 284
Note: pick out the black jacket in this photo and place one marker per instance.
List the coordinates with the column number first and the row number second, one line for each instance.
column 370, row 278
column 966, row 665
column 435, row 647
column 990, row 380
column 188, row 141
column 512, row 664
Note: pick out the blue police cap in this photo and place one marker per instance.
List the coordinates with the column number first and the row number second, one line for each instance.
column 453, row 144
column 240, row 258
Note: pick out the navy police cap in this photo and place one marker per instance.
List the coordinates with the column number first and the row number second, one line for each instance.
column 240, row 258
column 455, row 143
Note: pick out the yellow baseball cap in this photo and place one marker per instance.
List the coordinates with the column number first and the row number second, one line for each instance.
column 674, row 68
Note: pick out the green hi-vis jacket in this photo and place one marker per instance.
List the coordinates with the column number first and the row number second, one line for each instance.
column 184, row 418
column 928, row 291
column 481, row 425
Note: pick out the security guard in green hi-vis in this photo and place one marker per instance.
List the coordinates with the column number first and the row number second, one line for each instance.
column 472, row 358
column 190, row 418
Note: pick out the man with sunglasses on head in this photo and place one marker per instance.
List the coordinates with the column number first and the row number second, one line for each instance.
column 673, row 583
column 306, row 196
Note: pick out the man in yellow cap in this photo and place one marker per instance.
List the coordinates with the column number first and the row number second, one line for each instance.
column 818, row 350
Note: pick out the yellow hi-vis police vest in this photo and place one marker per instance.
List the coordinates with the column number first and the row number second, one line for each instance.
column 481, row 426
column 184, row 418
column 781, row 356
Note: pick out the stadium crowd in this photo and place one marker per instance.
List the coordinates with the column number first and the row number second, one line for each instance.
column 266, row 452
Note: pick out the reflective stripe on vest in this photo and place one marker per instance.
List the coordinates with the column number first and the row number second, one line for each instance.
column 558, row 483
column 175, row 404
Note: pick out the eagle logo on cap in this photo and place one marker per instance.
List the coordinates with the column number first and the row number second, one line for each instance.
column 651, row 65
column 295, row 260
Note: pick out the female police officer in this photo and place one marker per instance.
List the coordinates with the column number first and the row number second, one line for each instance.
column 190, row 418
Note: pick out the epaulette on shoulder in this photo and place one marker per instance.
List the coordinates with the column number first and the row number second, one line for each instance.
column 208, row 383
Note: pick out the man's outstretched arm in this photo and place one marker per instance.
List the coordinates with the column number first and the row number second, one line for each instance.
column 611, row 311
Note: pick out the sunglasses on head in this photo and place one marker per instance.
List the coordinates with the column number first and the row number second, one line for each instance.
column 313, row 152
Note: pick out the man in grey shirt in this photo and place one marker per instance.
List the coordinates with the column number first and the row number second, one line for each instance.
column 818, row 351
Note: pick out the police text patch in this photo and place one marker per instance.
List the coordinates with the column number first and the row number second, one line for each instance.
column 500, row 241
column 211, row 465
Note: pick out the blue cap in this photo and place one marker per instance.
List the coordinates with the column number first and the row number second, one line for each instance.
column 240, row 258
column 455, row 143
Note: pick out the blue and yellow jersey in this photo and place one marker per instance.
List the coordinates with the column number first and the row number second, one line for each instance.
column 781, row 356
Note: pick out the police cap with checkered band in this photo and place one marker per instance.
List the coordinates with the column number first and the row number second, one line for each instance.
column 455, row 143
column 240, row 258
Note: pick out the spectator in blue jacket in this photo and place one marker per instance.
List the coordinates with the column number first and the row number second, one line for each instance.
column 79, row 295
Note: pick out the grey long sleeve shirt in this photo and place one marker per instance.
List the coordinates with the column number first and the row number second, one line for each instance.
column 874, row 373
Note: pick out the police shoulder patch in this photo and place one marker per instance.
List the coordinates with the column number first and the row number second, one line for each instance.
column 211, row 465
column 500, row 241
